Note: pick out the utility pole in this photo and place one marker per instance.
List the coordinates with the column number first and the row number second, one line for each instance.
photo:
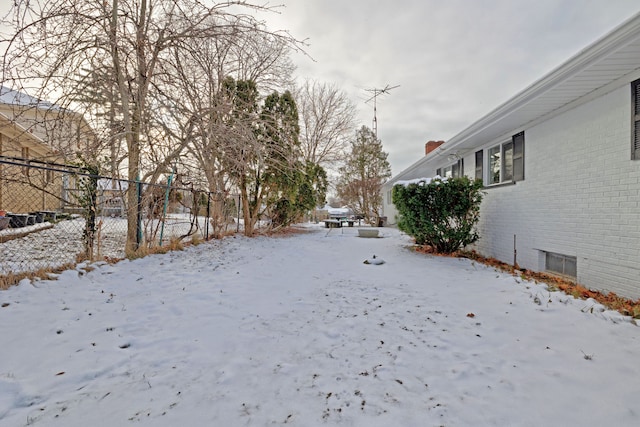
column 376, row 92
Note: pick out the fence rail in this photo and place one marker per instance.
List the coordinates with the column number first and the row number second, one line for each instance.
column 54, row 215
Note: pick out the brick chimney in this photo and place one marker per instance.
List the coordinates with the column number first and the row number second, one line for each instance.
column 432, row 145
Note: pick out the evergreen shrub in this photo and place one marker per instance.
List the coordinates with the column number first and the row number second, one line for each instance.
column 441, row 213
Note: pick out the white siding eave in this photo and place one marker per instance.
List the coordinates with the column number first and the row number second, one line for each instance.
column 600, row 67
column 618, row 52
column 22, row 136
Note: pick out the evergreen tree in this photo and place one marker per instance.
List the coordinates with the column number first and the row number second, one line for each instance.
column 362, row 176
column 242, row 151
column 295, row 186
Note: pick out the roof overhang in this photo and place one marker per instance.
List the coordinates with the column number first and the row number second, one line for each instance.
column 22, row 136
column 592, row 72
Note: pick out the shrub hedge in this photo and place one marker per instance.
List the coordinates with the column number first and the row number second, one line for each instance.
column 441, row 213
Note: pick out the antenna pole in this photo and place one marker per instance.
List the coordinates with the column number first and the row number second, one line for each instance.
column 376, row 92
column 375, row 119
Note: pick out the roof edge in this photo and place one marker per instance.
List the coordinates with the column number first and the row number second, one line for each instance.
column 620, row 36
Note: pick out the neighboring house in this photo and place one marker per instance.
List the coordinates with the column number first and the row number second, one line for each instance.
column 561, row 167
column 64, row 131
column 39, row 132
column 23, row 189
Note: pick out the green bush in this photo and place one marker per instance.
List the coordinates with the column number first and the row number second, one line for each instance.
column 441, row 213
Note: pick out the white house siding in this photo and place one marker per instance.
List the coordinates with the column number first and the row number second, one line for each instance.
column 580, row 197
column 388, row 208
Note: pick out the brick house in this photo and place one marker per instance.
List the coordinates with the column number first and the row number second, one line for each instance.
column 560, row 163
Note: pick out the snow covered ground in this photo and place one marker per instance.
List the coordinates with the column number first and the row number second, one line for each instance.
column 47, row 245
column 299, row 331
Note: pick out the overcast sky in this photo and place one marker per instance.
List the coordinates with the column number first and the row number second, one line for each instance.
column 454, row 60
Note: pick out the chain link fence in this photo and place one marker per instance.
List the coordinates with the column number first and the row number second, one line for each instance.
column 54, row 216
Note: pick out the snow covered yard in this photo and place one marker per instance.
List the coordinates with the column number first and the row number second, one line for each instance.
column 299, row 331
column 46, row 245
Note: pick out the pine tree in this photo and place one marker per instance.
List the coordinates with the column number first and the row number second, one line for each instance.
column 362, row 176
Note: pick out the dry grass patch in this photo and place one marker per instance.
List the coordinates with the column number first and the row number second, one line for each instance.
column 48, row 273
column 283, row 231
column 12, row 279
column 174, row 244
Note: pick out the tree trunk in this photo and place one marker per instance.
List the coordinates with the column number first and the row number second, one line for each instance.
column 246, row 211
column 132, row 194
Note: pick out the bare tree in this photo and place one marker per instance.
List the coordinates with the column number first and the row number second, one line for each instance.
column 59, row 45
column 327, row 121
column 216, row 115
column 263, row 59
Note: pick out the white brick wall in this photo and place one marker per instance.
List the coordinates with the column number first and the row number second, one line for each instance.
column 580, row 197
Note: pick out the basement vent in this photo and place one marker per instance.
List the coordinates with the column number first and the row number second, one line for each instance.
column 561, row 264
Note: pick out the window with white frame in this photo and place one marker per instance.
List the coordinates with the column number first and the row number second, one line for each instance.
column 501, row 163
column 505, row 162
column 454, row 170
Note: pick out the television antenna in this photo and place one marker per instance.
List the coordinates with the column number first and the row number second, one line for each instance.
column 376, row 92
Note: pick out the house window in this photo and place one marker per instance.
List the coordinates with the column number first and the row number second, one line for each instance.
column 501, row 163
column 458, row 168
column 479, row 164
column 495, row 162
column 561, row 264
column 635, row 122
column 455, row 170
column 518, row 156
column 506, row 161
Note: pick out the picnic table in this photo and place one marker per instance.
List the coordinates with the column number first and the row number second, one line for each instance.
column 337, row 222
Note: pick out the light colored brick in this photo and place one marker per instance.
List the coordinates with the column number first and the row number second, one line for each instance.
column 580, row 197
